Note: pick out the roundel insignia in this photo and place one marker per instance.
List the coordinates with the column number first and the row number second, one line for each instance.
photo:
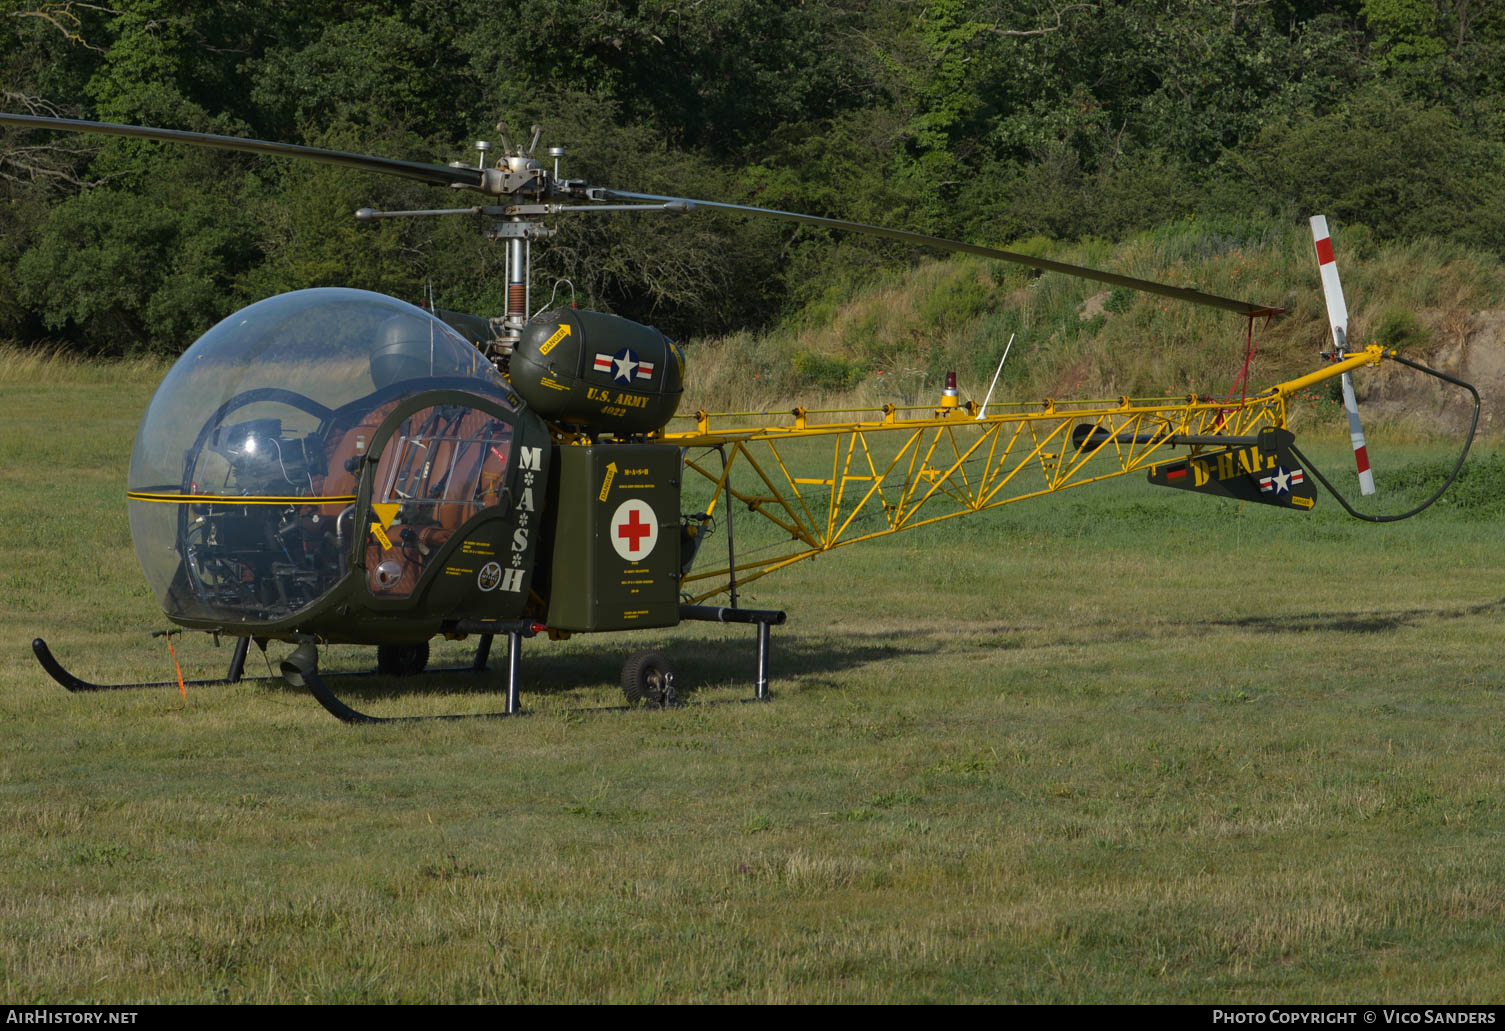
column 634, row 530
column 489, row 576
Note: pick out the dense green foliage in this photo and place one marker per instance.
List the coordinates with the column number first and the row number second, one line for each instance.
column 987, row 121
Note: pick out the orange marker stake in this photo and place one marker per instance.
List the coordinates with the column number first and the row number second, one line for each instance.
column 182, row 687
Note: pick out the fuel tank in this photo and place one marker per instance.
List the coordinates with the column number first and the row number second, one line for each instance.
column 598, row 371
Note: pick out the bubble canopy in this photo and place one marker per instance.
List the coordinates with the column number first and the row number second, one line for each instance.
column 329, row 346
column 242, row 472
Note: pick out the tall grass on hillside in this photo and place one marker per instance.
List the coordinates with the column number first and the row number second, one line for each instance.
column 58, row 365
column 894, row 338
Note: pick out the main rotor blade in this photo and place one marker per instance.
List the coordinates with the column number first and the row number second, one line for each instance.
column 439, row 175
column 1044, row 264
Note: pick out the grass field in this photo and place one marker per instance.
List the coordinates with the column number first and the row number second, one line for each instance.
column 1116, row 745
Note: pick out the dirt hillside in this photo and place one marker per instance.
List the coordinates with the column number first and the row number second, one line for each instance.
column 1470, row 347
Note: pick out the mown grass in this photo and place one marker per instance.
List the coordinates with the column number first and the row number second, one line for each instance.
column 1114, row 745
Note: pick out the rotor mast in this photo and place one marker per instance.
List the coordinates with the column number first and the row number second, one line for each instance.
column 525, row 175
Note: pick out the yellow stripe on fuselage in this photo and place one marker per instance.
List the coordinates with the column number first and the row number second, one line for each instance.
column 231, row 499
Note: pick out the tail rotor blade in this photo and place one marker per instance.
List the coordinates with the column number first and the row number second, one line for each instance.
column 1337, row 316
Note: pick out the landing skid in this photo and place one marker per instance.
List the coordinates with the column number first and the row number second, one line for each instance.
column 57, row 672
column 307, row 675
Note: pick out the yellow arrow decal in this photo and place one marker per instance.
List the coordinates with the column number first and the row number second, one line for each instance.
column 611, row 474
column 558, row 335
column 386, row 513
column 381, row 535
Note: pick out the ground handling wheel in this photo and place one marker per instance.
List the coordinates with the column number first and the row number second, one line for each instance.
column 648, row 678
column 401, row 660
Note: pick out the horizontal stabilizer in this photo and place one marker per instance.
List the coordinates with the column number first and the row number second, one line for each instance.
column 1265, row 472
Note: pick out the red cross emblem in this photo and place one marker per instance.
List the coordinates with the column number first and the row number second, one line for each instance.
column 634, row 530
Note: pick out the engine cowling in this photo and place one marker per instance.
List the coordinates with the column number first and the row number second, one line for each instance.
column 598, row 371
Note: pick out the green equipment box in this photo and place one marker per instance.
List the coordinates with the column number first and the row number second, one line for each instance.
column 616, row 538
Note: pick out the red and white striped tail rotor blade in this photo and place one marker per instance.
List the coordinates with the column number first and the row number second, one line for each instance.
column 1337, row 317
column 1356, row 434
column 1332, row 289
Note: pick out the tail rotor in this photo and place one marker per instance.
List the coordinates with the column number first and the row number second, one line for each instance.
column 1337, row 316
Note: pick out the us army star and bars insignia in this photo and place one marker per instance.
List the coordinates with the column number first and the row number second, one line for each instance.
column 623, row 367
column 1265, row 472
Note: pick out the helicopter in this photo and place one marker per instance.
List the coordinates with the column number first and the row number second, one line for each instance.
column 339, row 466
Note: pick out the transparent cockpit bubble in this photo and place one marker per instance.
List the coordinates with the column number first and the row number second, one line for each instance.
column 326, row 347
column 263, row 407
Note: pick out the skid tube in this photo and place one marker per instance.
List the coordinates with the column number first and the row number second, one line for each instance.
column 235, row 675
column 306, row 674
